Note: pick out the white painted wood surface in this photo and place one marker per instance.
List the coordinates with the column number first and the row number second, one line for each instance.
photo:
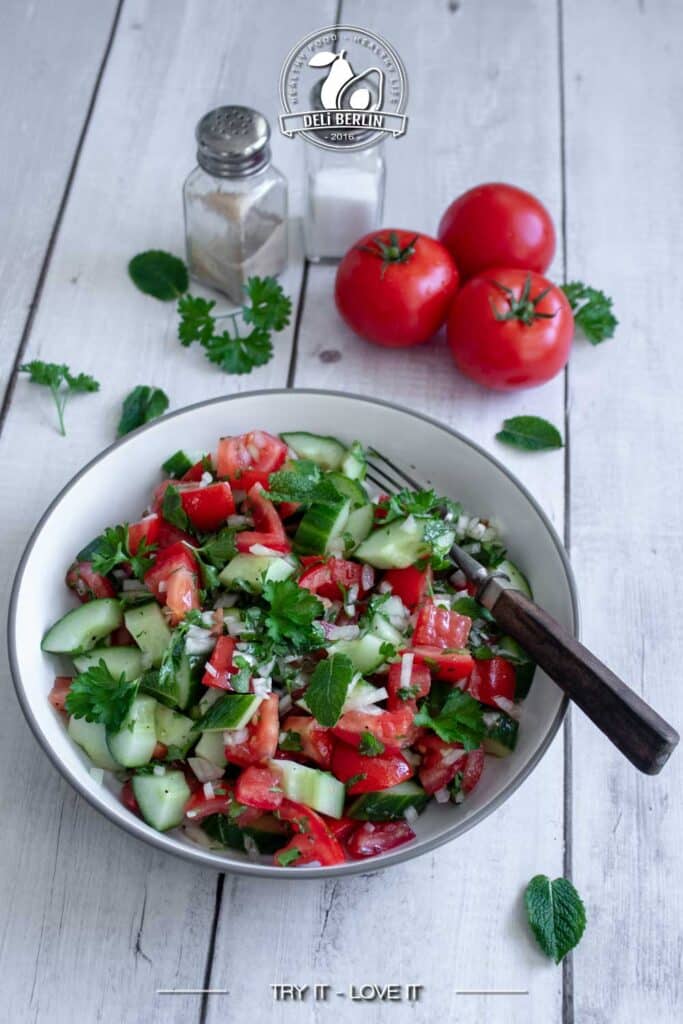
column 93, row 923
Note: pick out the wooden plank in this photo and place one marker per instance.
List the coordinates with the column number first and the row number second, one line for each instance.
column 623, row 139
column 107, row 920
column 473, row 77
column 45, row 101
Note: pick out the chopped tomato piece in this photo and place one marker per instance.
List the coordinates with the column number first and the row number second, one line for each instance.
column 207, row 508
column 442, row 761
column 340, row 827
column 491, row 679
column 182, row 595
column 451, row 666
column 159, row 752
column 373, row 838
column 394, row 729
column 259, row 787
column 412, row 585
column 262, row 736
column 268, row 529
column 313, row 840
column 127, row 797
column 87, row 584
column 168, row 562
column 221, row 667
column 249, row 459
column 440, row 627
column 146, row 529
column 59, row 692
column 418, row 686
column 196, row 472
column 316, row 741
column 122, row 638
column 333, row 578
column 369, row 773
column 169, row 535
column 199, row 806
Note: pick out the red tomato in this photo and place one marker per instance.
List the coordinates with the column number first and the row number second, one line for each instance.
column 88, row 585
column 498, row 225
column 333, row 578
column 412, row 585
column 259, row 787
column 160, row 751
column 121, row 638
column 340, row 827
column 395, row 287
column 182, row 595
column 146, row 529
column 269, row 530
column 208, row 507
column 373, row 838
column 199, row 806
column 196, row 472
column 263, row 732
column 221, row 664
column 392, row 728
column 440, row 627
column 451, row 666
column 59, row 692
column 127, row 797
column 313, row 841
column 420, row 682
column 510, row 329
column 316, row 741
column 249, row 458
column 167, row 562
column 374, row 772
column 441, row 761
column 169, row 535
column 491, row 679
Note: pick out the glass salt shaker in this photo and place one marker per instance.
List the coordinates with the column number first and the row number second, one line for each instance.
column 344, row 198
column 235, row 203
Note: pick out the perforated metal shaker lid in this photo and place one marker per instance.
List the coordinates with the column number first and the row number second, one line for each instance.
column 233, row 141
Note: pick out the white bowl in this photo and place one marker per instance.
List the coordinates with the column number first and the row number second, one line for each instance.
column 115, row 487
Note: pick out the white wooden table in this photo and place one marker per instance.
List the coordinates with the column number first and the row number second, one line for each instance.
column 577, row 100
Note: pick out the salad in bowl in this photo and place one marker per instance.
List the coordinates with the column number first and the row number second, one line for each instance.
column 276, row 657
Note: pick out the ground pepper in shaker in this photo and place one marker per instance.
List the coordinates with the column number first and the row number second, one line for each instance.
column 235, row 203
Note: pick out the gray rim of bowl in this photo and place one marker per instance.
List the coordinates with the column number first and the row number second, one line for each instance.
column 197, row 854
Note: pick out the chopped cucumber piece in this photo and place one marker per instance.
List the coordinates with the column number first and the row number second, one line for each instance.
column 327, row 452
column 365, row 652
column 80, row 629
column 321, row 526
column 179, row 463
column 310, row 786
column 175, row 731
column 135, row 741
column 212, row 747
column 232, row 711
column 388, row 804
column 362, row 694
column 94, row 547
column 162, row 798
column 251, row 572
column 518, row 580
column 395, row 546
column 268, row 832
column 353, row 464
column 382, row 628
column 358, row 526
column 349, row 489
column 147, row 625
column 501, row 733
column 92, row 737
column 121, row 661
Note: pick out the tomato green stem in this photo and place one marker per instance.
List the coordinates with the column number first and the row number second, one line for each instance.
column 523, row 308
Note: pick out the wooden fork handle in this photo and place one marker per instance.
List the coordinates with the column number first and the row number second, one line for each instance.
column 631, row 724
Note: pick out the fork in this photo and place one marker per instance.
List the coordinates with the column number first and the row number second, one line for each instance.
column 635, row 728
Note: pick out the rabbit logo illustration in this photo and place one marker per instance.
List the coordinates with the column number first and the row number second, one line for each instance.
column 330, row 104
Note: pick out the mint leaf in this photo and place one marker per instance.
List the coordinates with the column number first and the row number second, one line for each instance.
column 159, row 274
column 98, row 697
column 531, row 433
column 140, row 406
column 292, row 614
column 328, row 687
column 460, row 720
column 369, row 745
column 291, row 741
column 592, row 311
column 556, row 914
column 303, row 483
column 172, row 508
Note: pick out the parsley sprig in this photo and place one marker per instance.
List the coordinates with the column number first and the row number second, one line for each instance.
column 61, row 382
column 113, row 549
column 592, row 311
column 292, row 614
column 98, row 696
column 460, row 720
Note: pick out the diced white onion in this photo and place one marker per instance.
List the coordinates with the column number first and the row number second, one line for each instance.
column 451, row 756
column 254, row 452
column 367, row 577
column 163, row 587
column 311, row 864
column 409, row 524
column 205, row 770
column 233, row 737
column 205, row 479
column 333, row 632
column 411, row 815
column 96, row 774
column 350, row 610
column 385, row 587
column 209, row 792
column 159, row 769
column 459, row 797
column 130, row 586
column 407, row 660
column 261, row 549
column 508, row 706
column 442, row 600
column 237, row 520
column 335, row 547
column 199, row 641
column 442, row 796
column 234, row 625
column 226, row 600
column 368, row 827
column 250, row 845
column 208, row 667
column 489, row 718
column 261, row 686
column 285, row 704
column 352, row 594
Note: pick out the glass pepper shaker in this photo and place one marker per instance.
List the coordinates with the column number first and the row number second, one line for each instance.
column 344, row 198
column 235, row 203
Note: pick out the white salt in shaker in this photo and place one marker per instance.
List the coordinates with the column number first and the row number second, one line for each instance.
column 235, row 203
column 344, row 198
